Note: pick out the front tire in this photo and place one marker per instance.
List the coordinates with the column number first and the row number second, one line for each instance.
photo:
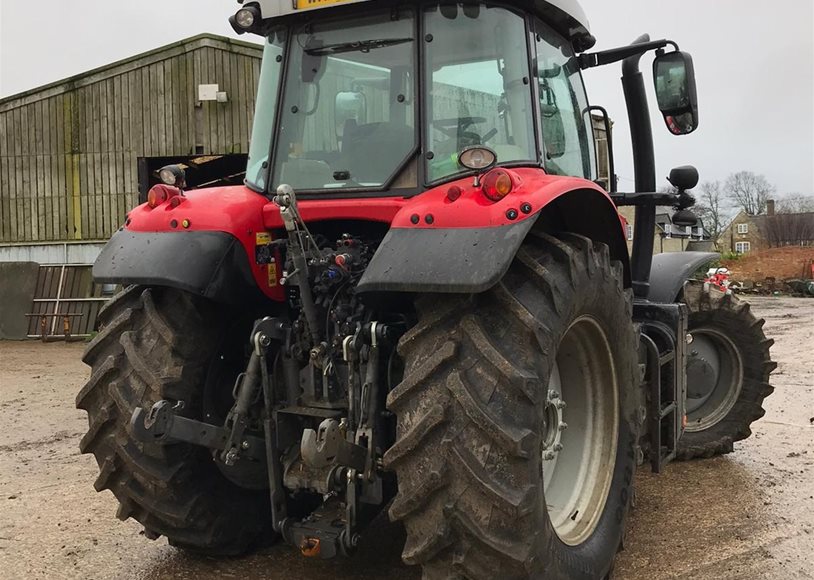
column 157, row 343
column 727, row 372
column 476, row 448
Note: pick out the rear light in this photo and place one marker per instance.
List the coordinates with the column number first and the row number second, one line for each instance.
column 497, row 184
column 160, row 193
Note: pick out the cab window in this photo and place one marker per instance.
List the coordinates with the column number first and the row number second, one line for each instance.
column 479, row 90
column 568, row 146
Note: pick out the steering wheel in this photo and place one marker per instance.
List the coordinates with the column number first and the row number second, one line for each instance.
column 456, row 128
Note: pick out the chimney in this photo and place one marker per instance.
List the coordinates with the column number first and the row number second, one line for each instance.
column 770, row 207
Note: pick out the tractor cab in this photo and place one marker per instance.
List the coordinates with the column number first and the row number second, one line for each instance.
column 380, row 98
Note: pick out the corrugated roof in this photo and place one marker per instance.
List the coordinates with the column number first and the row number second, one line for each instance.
column 130, row 63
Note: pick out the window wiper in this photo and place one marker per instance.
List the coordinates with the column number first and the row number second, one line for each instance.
column 356, row 46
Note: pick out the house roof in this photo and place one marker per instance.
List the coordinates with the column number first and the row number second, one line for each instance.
column 664, row 215
column 761, row 219
column 125, row 65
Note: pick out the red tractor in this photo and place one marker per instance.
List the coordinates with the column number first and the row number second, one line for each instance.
column 421, row 298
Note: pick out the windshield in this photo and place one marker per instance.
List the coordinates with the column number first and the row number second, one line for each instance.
column 348, row 114
column 265, row 111
column 479, row 91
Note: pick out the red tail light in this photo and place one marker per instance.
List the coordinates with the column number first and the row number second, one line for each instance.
column 160, row 193
column 497, row 184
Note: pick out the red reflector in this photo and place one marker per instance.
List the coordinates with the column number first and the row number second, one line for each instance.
column 497, row 184
column 454, row 192
column 160, row 193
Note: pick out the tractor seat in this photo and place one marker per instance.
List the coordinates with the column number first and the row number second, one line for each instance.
column 306, row 173
column 372, row 152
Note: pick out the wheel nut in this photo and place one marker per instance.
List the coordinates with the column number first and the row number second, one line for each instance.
column 562, row 426
column 245, row 445
column 561, row 404
column 549, row 455
column 558, row 447
column 553, row 395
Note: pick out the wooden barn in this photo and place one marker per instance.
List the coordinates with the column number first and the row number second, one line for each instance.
column 75, row 155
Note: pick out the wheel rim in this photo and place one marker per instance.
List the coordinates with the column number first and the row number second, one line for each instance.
column 714, row 378
column 580, row 431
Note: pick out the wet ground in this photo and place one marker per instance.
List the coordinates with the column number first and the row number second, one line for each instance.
column 749, row 514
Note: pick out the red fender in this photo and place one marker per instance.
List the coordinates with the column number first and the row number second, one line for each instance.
column 249, row 216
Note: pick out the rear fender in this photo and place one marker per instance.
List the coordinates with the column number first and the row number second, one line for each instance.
column 438, row 244
column 211, row 242
column 671, row 270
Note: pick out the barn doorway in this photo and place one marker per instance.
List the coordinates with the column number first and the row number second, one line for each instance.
column 201, row 171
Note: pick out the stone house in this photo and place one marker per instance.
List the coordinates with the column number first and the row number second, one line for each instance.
column 751, row 233
column 668, row 236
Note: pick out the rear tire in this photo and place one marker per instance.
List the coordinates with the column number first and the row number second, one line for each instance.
column 472, row 428
column 730, row 351
column 156, row 343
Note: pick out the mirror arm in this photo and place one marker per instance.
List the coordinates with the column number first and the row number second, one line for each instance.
column 653, row 199
column 594, row 59
column 644, row 165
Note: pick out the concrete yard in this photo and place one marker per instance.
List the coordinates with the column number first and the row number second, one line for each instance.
column 747, row 515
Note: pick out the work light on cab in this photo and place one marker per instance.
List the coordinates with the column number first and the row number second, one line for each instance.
column 245, row 19
column 477, row 158
column 172, row 175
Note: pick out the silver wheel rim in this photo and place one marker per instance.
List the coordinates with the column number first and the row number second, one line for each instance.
column 580, row 427
column 714, row 378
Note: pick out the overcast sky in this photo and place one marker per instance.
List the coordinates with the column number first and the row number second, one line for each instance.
column 754, row 64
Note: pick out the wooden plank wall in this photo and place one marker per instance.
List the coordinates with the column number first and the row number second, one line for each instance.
column 68, row 160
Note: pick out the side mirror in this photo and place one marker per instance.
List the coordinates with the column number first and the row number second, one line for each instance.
column 674, row 75
column 349, row 106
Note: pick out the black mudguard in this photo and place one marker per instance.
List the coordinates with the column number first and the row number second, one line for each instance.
column 211, row 264
column 670, row 271
column 443, row 259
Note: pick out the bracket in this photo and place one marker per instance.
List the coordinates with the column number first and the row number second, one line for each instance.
column 162, row 425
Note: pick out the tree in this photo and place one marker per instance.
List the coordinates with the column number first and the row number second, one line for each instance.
column 711, row 207
column 788, row 229
column 748, row 191
column 795, row 203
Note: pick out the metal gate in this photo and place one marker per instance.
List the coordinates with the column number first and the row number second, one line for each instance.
column 66, row 302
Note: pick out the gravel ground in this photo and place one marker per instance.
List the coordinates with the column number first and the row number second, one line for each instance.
column 749, row 514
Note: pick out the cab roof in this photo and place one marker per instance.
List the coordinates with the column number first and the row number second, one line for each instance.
column 567, row 16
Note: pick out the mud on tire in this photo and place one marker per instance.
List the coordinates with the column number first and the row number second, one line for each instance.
column 468, row 451
column 155, row 343
column 714, row 311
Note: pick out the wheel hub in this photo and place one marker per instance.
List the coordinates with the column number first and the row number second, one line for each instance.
column 714, row 378
column 553, row 426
